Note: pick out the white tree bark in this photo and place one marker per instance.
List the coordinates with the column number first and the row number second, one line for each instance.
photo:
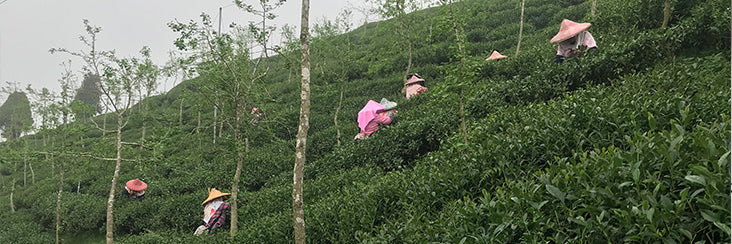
column 302, row 132
column 58, row 202
column 110, row 200
column 12, row 191
column 593, row 8
column 521, row 27
column 666, row 13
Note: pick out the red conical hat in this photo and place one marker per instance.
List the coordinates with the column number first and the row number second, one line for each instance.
column 569, row 29
column 496, row 55
column 136, row 185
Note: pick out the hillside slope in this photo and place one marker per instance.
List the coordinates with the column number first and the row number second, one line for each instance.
column 630, row 143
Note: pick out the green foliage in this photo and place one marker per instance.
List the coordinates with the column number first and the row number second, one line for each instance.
column 15, row 115
column 87, row 101
column 627, row 144
column 19, row 227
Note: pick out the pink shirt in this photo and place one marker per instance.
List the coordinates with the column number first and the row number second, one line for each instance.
column 373, row 125
column 583, row 39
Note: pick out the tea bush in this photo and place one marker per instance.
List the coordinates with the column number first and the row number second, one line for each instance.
column 506, row 164
column 593, row 149
column 20, row 227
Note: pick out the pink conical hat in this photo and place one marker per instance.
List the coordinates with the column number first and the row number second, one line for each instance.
column 569, row 29
column 496, row 55
column 414, row 79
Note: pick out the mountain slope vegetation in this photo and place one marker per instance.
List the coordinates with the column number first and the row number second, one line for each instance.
column 630, row 143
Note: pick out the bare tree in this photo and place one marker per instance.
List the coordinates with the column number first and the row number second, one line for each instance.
column 331, row 45
column 593, row 8
column 12, row 191
column 455, row 20
column 120, row 78
column 302, row 131
column 398, row 10
column 521, row 27
column 231, row 75
column 666, row 13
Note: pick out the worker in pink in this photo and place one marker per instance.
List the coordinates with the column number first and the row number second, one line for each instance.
column 496, row 56
column 571, row 37
column 413, row 86
column 371, row 117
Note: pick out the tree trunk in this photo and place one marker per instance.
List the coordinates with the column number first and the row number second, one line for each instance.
column 144, row 130
column 593, row 8
column 237, row 174
column 666, row 13
column 521, row 27
column 409, row 61
column 12, row 191
column 33, row 174
column 335, row 119
column 180, row 113
column 104, row 124
column 25, row 164
column 462, row 118
column 461, row 72
column 302, row 132
column 198, row 130
column 214, row 124
column 110, row 200
column 58, row 201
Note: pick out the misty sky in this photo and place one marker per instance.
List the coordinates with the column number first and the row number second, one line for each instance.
column 29, row 28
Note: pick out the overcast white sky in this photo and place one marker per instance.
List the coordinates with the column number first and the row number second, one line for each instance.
column 29, row 28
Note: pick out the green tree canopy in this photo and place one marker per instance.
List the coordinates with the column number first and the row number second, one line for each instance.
column 89, row 95
column 15, row 115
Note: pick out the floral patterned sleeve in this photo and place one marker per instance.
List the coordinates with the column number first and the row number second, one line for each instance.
column 217, row 220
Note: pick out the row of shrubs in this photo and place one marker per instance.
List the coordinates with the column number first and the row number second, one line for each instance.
column 339, row 165
column 408, row 141
column 524, row 148
column 658, row 135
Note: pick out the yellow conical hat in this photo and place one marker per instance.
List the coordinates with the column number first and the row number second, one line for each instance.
column 213, row 194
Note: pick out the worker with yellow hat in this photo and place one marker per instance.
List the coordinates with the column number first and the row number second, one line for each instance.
column 214, row 216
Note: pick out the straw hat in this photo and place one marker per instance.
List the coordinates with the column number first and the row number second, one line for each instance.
column 136, row 185
column 569, row 29
column 496, row 55
column 414, row 79
column 213, row 194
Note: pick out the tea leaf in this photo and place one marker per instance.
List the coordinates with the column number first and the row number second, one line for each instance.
column 696, row 179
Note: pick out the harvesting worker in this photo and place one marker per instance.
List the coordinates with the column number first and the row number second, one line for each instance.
column 571, row 37
column 135, row 189
column 413, row 86
column 374, row 115
column 496, row 56
column 214, row 212
column 258, row 115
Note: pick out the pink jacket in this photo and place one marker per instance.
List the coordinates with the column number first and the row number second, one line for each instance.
column 373, row 125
